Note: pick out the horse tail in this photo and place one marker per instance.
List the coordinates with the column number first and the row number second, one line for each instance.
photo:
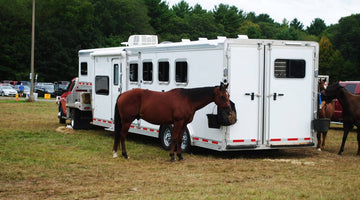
column 117, row 119
column 117, row 123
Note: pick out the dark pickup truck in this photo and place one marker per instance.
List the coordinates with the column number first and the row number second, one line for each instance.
column 351, row 86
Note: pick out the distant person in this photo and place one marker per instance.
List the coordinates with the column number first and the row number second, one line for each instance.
column 21, row 90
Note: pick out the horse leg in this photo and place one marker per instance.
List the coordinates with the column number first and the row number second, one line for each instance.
column 347, row 127
column 358, row 139
column 116, row 143
column 179, row 142
column 318, row 135
column 124, row 131
column 174, row 139
column 323, row 140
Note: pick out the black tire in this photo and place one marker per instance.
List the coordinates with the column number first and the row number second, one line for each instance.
column 61, row 115
column 77, row 122
column 165, row 138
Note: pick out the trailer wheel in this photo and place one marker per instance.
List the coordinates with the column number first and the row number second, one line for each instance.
column 165, row 138
column 61, row 115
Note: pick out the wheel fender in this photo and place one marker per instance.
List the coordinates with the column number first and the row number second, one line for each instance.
column 191, row 133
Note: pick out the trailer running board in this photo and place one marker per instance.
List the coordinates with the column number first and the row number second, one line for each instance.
column 252, row 146
column 293, row 145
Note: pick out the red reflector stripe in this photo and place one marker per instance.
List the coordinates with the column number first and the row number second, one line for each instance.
column 238, row 140
column 292, row 139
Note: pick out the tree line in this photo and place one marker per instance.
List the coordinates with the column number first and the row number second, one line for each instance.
column 64, row 27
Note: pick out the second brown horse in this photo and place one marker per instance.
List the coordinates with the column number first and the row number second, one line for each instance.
column 176, row 107
column 325, row 110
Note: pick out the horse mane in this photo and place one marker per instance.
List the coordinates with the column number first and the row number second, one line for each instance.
column 197, row 94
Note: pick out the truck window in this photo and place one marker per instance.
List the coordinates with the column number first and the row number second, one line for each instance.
column 164, row 71
column 287, row 68
column 147, row 71
column 102, row 85
column 181, row 72
column 83, row 68
column 350, row 88
column 116, row 74
column 134, row 72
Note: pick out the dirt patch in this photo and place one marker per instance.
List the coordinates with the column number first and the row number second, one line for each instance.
column 291, row 161
column 66, row 129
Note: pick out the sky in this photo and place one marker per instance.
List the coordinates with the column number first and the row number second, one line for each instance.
column 304, row 10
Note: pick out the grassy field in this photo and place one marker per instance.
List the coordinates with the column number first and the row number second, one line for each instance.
column 40, row 159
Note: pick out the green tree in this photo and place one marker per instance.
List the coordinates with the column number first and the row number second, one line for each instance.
column 229, row 18
column 296, row 24
column 326, row 51
column 160, row 15
column 346, row 39
column 15, row 39
column 316, row 27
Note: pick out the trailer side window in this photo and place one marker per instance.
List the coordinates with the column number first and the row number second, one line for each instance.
column 287, row 68
column 83, row 68
column 164, row 71
column 147, row 71
column 134, row 72
column 102, row 85
column 116, row 74
column 181, row 72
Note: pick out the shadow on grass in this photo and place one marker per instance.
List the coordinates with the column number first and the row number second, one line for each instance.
column 245, row 154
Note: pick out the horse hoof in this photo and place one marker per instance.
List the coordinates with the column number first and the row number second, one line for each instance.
column 180, row 157
column 318, row 149
column 115, row 155
column 125, row 155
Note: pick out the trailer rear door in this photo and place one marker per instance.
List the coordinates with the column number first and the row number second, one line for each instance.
column 289, row 88
column 246, row 80
column 272, row 86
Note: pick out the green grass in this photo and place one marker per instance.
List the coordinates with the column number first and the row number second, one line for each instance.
column 39, row 162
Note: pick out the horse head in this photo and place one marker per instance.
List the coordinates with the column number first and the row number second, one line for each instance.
column 332, row 92
column 222, row 100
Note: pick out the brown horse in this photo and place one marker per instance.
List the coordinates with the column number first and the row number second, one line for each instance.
column 176, row 107
column 351, row 110
column 325, row 110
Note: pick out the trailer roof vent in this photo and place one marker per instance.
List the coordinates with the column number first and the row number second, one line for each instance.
column 138, row 40
column 185, row 40
column 243, row 37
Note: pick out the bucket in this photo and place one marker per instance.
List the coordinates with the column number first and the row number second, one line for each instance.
column 213, row 121
column 322, row 125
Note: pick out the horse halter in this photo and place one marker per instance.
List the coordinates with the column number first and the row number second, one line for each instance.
column 221, row 98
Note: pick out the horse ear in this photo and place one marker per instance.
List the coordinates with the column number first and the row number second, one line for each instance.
column 224, row 85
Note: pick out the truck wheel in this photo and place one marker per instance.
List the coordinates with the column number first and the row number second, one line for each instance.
column 61, row 115
column 77, row 122
column 165, row 138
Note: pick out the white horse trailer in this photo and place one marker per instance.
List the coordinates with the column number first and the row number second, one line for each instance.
column 272, row 83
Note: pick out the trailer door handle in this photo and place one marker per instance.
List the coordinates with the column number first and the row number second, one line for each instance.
column 275, row 95
column 251, row 94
